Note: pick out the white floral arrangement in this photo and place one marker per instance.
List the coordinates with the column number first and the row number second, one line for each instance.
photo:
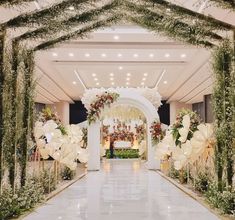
column 63, row 148
column 191, row 150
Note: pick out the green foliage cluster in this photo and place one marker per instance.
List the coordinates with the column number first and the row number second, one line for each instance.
column 224, row 112
column 224, row 201
column 67, row 174
column 12, row 204
column 124, row 153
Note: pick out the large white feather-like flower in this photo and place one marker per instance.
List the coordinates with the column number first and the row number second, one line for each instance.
column 165, row 146
column 185, row 129
column 83, row 155
column 38, row 129
column 74, row 133
column 201, row 139
column 152, row 95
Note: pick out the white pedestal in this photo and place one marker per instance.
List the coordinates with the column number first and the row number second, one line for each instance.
column 94, row 147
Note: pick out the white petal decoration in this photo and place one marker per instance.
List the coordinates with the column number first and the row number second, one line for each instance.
column 49, row 126
column 83, row 156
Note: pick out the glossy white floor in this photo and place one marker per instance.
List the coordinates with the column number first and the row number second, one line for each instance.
column 122, row 190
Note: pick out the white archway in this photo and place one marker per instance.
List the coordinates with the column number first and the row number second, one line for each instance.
column 136, row 100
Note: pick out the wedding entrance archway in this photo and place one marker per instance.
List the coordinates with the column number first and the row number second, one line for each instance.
column 126, row 96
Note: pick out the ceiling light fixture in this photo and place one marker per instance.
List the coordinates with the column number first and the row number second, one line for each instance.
column 97, row 83
column 127, row 78
column 167, row 55
column 74, row 82
column 144, row 79
column 120, row 67
column 116, row 37
column 95, row 79
column 79, row 78
column 71, row 8
column 128, row 74
column 111, row 74
column 87, row 55
column 103, row 55
column 111, row 78
column 54, row 54
column 93, row 74
column 71, row 54
column 119, row 55
column 127, row 83
column 151, row 55
column 165, row 82
column 142, row 83
column 183, row 55
column 145, row 74
column 135, row 55
column 160, row 78
column 112, row 83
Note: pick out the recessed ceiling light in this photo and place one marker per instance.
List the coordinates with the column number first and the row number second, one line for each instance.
column 103, row 55
column 97, row 83
column 120, row 67
column 167, row 55
column 71, row 8
column 183, row 55
column 95, row 79
column 127, row 83
column 111, row 78
column 116, row 37
column 127, row 78
column 71, row 54
column 93, row 74
column 145, row 74
column 119, row 55
column 54, row 54
column 165, row 82
column 128, row 74
column 74, row 82
column 87, row 55
column 111, row 74
column 112, row 83
column 144, row 79
column 142, row 83
column 135, row 55
column 151, row 55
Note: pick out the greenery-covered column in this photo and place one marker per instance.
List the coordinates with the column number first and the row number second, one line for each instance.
column 2, row 39
column 224, row 112
column 27, row 111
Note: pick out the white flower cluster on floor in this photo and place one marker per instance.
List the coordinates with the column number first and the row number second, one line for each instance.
column 152, row 95
column 191, row 150
column 63, row 148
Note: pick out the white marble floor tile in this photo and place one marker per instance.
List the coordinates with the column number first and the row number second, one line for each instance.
column 122, row 190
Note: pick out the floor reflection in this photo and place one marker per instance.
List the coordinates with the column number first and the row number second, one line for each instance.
column 123, row 189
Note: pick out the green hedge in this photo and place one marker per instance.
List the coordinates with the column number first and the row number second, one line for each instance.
column 124, row 153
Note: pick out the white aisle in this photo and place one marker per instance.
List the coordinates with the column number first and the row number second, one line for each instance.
column 122, row 190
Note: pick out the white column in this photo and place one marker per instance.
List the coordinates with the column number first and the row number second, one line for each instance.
column 62, row 109
column 94, row 146
column 152, row 163
column 175, row 107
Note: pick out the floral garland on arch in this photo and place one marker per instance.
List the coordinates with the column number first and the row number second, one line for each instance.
column 156, row 132
column 102, row 101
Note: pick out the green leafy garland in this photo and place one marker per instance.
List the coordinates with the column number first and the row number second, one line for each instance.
column 227, row 4
column 223, row 106
column 13, row 2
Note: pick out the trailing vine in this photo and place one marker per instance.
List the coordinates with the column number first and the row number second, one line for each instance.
column 223, row 111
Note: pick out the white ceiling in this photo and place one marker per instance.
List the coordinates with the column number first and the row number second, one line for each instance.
column 123, row 55
column 181, row 72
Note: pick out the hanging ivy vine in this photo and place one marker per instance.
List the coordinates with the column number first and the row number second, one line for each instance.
column 224, row 112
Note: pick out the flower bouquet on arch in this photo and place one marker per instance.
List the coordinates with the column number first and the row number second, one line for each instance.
column 156, row 132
